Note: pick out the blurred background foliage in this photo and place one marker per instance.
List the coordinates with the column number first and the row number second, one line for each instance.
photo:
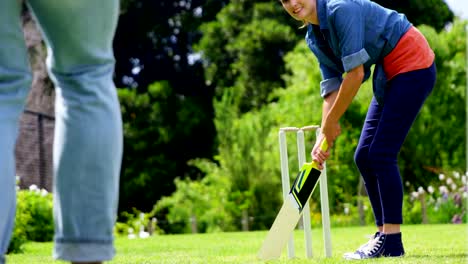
column 206, row 84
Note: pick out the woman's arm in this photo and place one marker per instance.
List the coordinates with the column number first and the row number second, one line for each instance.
column 328, row 102
column 334, row 106
column 339, row 102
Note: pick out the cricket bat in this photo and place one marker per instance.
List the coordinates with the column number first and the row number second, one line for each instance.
column 291, row 211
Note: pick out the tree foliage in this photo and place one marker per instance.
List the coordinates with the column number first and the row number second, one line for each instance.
column 164, row 128
column 243, row 49
column 421, row 12
column 158, row 127
column 154, row 42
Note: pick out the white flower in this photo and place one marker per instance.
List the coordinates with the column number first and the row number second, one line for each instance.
column 449, row 181
column 453, row 186
column 407, row 183
column 441, row 177
column 430, row 189
column 464, row 179
column 421, row 190
column 443, row 189
column 465, row 195
column 415, row 195
column 142, row 233
column 130, row 233
column 346, row 210
column 33, row 188
column 44, row 192
column 456, row 174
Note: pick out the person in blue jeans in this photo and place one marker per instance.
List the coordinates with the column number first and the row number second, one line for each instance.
column 87, row 149
column 348, row 37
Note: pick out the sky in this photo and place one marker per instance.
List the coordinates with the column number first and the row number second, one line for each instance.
column 459, row 7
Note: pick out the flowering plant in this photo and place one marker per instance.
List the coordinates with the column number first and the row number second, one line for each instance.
column 33, row 218
column 446, row 202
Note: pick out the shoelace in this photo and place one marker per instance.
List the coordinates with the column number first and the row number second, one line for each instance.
column 373, row 246
column 364, row 246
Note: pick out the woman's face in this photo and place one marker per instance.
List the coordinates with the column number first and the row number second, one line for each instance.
column 299, row 9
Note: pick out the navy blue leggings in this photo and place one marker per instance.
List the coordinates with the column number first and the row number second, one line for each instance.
column 382, row 136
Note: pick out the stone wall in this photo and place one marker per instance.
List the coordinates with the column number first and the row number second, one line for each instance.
column 34, row 144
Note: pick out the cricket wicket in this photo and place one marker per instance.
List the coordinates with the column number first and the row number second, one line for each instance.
column 323, row 190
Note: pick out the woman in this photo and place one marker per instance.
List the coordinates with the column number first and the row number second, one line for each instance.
column 347, row 37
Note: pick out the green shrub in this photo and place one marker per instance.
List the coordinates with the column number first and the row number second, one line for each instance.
column 351, row 216
column 412, row 213
column 135, row 222
column 344, row 220
column 347, row 215
column 33, row 219
column 17, row 241
column 34, row 214
column 121, row 229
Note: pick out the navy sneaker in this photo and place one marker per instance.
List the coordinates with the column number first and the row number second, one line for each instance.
column 383, row 245
column 363, row 247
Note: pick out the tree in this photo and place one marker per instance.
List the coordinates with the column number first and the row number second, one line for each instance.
column 154, row 42
column 243, row 49
column 161, row 133
column 419, row 12
column 164, row 128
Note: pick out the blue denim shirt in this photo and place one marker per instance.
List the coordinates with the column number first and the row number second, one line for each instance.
column 351, row 33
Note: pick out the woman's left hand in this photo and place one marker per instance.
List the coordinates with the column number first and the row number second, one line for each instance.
column 331, row 130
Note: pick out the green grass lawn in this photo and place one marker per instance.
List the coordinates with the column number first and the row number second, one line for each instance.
column 423, row 244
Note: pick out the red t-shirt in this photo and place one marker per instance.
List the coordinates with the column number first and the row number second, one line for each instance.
column 411, row 53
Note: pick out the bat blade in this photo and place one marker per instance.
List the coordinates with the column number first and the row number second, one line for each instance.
column 305, row 183
column 280, row 231
column 291, row 211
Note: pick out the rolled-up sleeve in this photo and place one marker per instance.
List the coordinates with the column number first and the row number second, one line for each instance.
column 331, row 80
column 352, row 61
column 349, row 24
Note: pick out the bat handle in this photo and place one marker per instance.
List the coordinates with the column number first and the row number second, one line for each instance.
column 324, row 145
